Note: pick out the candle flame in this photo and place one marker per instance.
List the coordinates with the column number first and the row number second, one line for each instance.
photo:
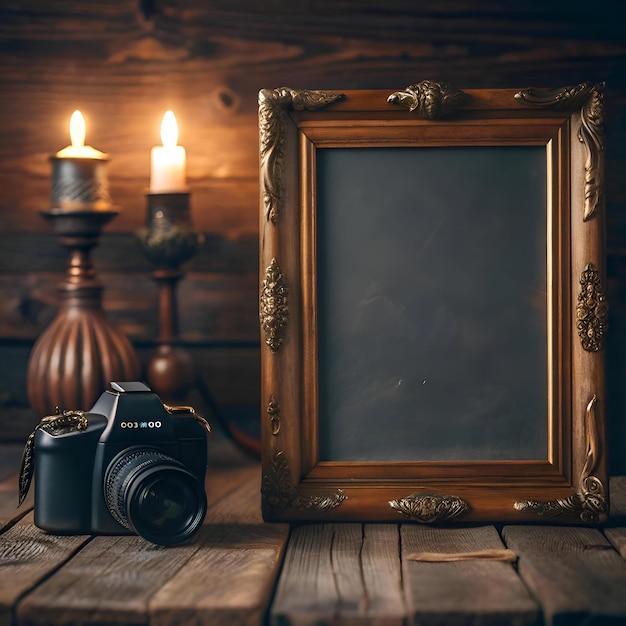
column 77, row 129
column 169, row 130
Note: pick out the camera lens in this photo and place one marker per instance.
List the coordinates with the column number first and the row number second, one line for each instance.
column 155, row 496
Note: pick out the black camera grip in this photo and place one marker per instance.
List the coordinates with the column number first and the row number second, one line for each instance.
column 54, row 424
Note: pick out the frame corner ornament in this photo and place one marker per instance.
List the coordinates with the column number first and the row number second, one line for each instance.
column 430, row 99
column 592, row 311
column 274, row 306
column 430, row 507
column 589, row 98
column 590, row 501
column 273, row 107
column 279, row 494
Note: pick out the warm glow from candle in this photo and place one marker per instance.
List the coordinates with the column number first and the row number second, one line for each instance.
column 78, row 149
column 77, row 129
column 169, row 130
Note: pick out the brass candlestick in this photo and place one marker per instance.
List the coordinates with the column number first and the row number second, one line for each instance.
column 80, row 353
column 169, row 240
column 77, row 356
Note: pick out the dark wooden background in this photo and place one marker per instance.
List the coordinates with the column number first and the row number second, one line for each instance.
column 124, row 62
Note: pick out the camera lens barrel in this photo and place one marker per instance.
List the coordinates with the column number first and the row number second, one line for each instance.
column 155, row 496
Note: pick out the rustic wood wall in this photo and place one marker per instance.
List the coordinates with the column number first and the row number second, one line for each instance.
column 124, row 62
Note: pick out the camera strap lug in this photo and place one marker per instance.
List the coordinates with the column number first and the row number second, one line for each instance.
column 173, row 410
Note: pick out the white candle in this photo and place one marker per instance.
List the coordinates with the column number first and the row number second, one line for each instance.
column 79, row 176
column 167, row 162
column 78, row 149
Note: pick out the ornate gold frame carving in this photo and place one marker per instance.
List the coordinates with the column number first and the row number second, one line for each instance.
column 273, row 413
column 430, row 507
column 592, row 311
column 590, row 501
column 274, row 306
column 279, row 494
column 590, row 99
column 273, row 107
column 429, row 99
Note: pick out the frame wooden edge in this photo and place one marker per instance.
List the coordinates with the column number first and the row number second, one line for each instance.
column 585, row 103
column 287, row 493
column 280, row 299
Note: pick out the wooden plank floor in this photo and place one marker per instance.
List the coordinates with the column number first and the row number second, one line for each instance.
column 368, row 574
column 225, row 576
column 242, row 571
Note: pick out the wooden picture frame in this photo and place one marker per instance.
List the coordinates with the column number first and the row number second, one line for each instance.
column 505, row 231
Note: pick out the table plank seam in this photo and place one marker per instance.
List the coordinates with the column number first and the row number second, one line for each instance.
column 46, row 576
column 14, row 520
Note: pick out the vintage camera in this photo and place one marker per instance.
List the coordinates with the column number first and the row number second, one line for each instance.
column 133, row 466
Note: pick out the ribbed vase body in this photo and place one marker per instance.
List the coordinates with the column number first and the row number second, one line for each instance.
column 77, row 356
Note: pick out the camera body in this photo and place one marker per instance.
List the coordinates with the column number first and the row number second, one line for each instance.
column 136, row 467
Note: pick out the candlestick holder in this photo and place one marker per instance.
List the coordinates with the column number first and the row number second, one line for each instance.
column 77, row 356
column 80, row 184
column 169, row 240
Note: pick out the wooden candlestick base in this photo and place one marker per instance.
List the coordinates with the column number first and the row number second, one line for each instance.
column 80, row 353
column 171, row 370
column 168, row 240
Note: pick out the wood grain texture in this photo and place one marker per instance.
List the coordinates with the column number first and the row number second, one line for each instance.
column 617, row 537
column 367, row 573
column 124, row 69
column 10, row 458
column 28, row 556
column 109, row 581
column 332, row 574
column 382, row 574
column 237, row 560
column 574, row 572
column 10, row 513
column 465, row 592
column 231, row 371
column 617, row 490
column 341, row 574
column 121, row 252
column 215, row 307
column 124, row 66
column 306, row 592
column 125, row 580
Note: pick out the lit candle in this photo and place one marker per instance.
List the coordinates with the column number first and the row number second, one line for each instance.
column 167, row 162
column 78, row 149
column 79, row 177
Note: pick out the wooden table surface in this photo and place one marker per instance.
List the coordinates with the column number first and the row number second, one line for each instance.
column 241, row 570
